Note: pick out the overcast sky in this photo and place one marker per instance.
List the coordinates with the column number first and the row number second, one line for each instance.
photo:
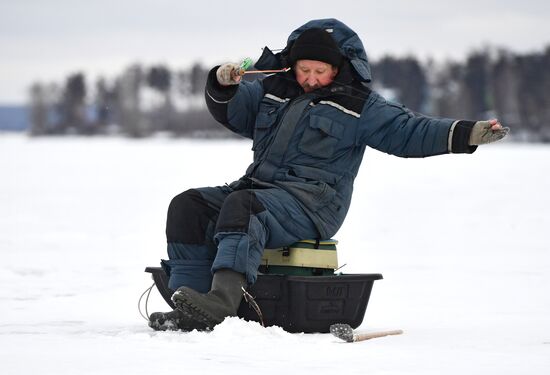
column 46, row 40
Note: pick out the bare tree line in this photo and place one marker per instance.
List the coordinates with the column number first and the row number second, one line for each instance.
column 138, row 103
column 143, row 101
column 511, row 87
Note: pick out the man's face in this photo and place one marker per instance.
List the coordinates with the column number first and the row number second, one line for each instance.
column 312, row 74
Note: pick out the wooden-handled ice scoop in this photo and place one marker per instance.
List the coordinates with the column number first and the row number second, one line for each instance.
column 345, row 332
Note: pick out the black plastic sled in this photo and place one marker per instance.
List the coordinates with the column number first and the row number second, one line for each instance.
column 298, row 293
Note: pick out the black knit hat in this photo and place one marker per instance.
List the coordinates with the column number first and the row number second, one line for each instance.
column 315, row 44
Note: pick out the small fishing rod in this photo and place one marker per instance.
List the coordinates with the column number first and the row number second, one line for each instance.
column 247, row 63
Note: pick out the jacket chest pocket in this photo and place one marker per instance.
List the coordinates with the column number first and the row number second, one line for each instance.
column 321, row 137
column 263, row 127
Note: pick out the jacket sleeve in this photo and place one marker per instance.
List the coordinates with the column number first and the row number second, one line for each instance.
column 392, row 128
column 234, row 106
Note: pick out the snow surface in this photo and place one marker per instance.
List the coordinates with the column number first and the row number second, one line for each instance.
column 462, row 242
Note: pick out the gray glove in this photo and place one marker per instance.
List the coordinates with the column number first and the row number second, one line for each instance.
column 482, row 133
column 227, row 74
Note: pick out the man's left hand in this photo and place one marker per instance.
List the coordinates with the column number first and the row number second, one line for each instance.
column 486, row 132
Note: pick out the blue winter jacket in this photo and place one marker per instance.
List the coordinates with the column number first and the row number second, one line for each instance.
column 314, row 150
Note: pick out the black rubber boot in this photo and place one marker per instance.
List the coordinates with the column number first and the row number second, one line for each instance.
column 173, row 321
column 212, row 308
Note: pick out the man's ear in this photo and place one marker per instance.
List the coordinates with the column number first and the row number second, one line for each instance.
column 334, row 72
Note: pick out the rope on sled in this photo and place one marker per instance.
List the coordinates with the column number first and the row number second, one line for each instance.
column 148, row 292
column 252, row 303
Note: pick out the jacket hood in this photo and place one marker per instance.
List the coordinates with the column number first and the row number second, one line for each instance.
column 347, row 40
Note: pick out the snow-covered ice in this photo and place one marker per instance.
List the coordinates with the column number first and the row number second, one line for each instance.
column 463, row 243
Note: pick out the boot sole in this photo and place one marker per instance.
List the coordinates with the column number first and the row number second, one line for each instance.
column 193, row 312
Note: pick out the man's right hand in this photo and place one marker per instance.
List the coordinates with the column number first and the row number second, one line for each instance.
column 227, row 74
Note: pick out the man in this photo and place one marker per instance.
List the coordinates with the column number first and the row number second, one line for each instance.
column 310, row 127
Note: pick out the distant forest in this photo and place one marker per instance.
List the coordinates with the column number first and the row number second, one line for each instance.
column 143, row 101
